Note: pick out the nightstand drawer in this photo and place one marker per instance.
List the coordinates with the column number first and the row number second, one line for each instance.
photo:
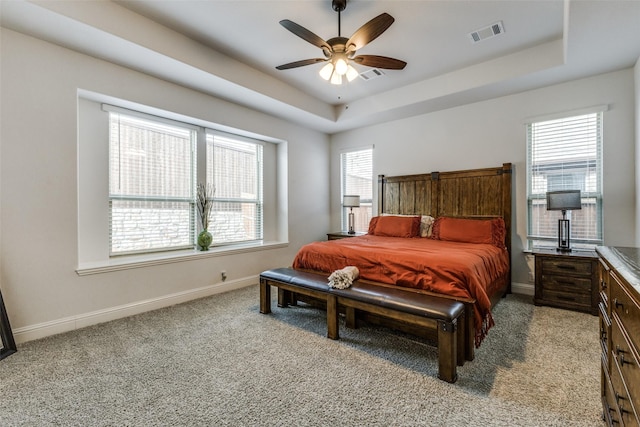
column 562, row 267
column 566, row 284
column 583, row 299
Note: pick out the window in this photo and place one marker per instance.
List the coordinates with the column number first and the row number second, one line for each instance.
column 153, row 172
column 234, row 166
column 357, row 179
column 565, row 154
column 151, row 182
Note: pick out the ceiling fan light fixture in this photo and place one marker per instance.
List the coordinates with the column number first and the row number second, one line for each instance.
column 336, row 79
column 352, row 73
column 341, row 66
column 326, row 71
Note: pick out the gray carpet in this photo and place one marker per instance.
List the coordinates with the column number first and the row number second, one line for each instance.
column 219, row 362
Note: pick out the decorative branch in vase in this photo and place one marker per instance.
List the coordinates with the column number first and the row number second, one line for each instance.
column 204, row 205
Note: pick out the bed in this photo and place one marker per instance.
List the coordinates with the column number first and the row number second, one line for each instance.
column 465, row 257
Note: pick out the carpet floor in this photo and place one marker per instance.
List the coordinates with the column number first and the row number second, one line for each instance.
column 218, row 362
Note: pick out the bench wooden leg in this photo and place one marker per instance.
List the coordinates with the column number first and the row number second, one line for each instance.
column 284, row 297
column 350, row 317
column 470, row 331
column 332, row 317
column 447, row 352
column 461, row 334
column 265, row 297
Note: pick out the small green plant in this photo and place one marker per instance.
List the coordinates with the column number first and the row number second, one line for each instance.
column 204, row 203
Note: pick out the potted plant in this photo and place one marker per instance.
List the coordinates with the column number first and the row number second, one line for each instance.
column 204, row 205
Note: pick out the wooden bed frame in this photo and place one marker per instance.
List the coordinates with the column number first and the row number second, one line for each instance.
column 474, row 193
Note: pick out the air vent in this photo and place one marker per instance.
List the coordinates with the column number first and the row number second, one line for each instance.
column 371, row 74
column 487, row 32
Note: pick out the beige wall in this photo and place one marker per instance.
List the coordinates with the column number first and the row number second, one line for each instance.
column 39, row 191
column 492, row 132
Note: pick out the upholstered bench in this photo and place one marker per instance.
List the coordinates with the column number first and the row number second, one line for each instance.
column 443, row 315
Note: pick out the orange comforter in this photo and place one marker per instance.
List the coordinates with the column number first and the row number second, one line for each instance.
column 451, row 268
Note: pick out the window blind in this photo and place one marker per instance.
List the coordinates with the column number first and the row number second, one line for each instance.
column 151, row 181
column 234, row 166
column 565, row 154
column 357, row 179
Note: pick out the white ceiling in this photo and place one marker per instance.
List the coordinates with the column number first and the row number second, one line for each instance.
column 231, row 48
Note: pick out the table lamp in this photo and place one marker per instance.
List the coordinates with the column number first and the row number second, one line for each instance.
column 351, row 202
column 564, row 200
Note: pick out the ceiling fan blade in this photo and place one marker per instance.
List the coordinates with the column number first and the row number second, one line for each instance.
column 300, row 63
column 380, row 62
column 369, row 31
column 305, row 34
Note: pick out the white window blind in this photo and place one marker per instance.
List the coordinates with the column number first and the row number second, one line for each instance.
column 151, row 182
column 234, row 166
column 357, row 179
column 565, row 154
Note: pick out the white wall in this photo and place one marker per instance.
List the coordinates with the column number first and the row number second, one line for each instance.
column 636, row 70
column 492, row 132
column 39, row 196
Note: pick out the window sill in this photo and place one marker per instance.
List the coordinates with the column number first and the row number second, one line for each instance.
column 137, row 261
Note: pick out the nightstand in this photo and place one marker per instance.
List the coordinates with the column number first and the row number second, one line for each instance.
column 342, row 235
column 567, row 280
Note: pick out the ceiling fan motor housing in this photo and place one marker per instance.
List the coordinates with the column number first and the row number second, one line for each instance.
column 339, row 5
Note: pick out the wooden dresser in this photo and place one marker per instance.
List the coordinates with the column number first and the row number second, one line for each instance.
column 620, row 334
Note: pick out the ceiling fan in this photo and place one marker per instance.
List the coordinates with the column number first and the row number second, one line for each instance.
column 340, row 51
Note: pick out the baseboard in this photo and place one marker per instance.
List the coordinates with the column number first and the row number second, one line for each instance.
column 45, row 329
column 522, row 288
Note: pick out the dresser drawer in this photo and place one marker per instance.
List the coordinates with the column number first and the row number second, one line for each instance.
column 621, row 399
column 627, row 311
column 627, row 363
column 565, row 267
column 605, row 334
column 609, row 406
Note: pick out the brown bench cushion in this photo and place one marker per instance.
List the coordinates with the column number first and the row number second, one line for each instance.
column 396, row 299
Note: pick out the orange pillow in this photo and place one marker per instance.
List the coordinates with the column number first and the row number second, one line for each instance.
column 488, row 231
column 395, row 226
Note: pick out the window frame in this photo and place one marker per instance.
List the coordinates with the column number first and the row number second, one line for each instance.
column 591, row 197
column 199, row 166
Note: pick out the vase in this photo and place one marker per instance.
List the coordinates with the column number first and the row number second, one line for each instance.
column 204, row 240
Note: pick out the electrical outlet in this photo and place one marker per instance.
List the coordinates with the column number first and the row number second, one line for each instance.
column 223, row 275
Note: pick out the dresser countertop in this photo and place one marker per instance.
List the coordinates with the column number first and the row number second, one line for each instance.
column 625, row 260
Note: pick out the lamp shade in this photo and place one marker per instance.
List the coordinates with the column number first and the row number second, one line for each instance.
column 351, row 201
column 564, row 200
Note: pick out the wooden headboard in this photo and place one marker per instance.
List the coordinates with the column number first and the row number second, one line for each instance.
column 468, row 193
